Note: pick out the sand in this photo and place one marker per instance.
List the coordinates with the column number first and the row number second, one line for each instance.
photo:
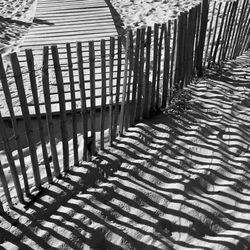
column 178, row 181
column 16, row 17
column 138, row 13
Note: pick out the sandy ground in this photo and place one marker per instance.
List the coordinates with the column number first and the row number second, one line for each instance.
column 137, row 13
column 16, row 17
column 178, row 181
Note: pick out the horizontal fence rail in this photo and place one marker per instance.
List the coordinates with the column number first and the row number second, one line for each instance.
column 103, row 88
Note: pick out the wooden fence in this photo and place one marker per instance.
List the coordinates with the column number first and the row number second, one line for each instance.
column 159, row 61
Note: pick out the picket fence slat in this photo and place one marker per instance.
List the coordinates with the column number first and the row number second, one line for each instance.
column 92, row 96
column 135, row 79
column 103, row 101
column 63, row 118
column 155, row 61
column 83, row 101
column 138, row 113
column 124, row 89
column 118, row 85
column 33, row 83
column 11, row 161
column 50, row 124
column 111, row 79
column 147, row 72
column 73, row 104
column 8, row 100
column 26, row 116
column 165, row 87
column 129, row 81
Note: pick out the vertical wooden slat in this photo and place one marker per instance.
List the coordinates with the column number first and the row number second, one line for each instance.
column 190, row 68
column 73, row 104
column 63, row 118
column 202, row 36
column 197, row 34
column 209, row 35
column 147, row 72
column 14, row 124
column 155, row 61
column 178, row 52
column 243, row 33
column 214, row 34
column 50, row 124
column 246, row 38
column 183, row 63
column 11, row 161
column 157, row 101
column 130, row 76
column 138, row 109
column 173, row 54
column 124, row 87
column 30, row 62
column 226, row 26
column 240, row 26
column 220, row 32
column 92, row 96
column 5, row 186
column 166, row 65
column 83, row 100
column 111, row 76
column 135, row 80
column 235, row 29
column 103, row 105
column 27, row 121
column 118, row 84
column 230, row 31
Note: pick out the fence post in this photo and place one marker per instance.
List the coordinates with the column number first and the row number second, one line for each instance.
column 33, row 83
column 25, row 111
column 202, row 36
column 14, row 124
column 50, row 125
column 73, row 104
column 83, row 100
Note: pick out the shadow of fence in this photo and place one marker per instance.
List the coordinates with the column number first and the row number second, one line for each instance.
column 122, row 85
